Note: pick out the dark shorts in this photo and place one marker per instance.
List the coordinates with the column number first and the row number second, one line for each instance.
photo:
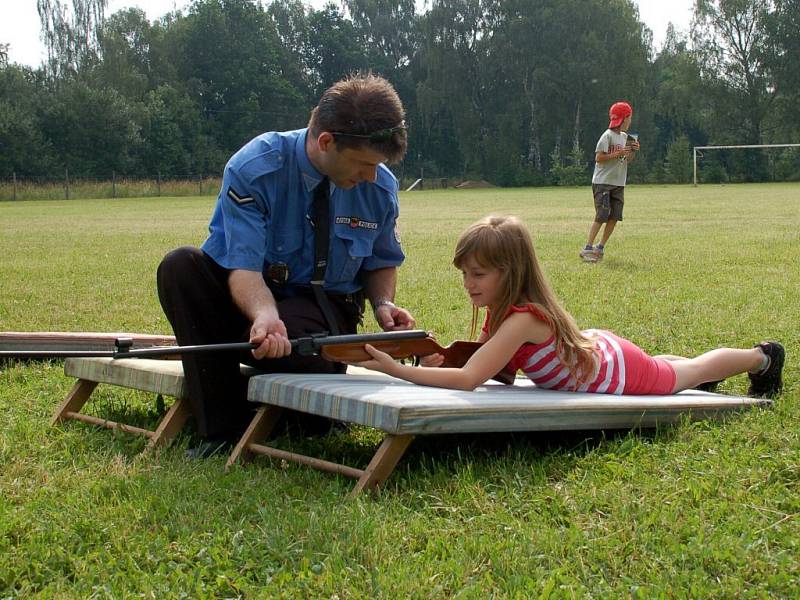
column 608, row 202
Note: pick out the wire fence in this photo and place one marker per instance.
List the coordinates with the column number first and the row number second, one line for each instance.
column 16, row 188
column 67, row 188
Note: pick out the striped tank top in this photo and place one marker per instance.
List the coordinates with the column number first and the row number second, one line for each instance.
column 542, row 365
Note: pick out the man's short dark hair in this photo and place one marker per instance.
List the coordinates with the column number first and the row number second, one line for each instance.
column 365, row 111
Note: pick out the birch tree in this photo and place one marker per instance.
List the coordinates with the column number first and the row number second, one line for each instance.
column 71, row 35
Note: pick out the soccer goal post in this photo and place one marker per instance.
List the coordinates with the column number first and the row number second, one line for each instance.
column 697, row 148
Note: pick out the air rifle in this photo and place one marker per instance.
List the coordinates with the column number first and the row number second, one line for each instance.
column 349, row 348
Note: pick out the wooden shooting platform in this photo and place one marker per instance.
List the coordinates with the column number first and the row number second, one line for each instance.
column 399, row 409
column 403, row 410
column 162, row 377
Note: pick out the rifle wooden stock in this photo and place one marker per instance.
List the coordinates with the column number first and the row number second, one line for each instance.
column 455, row 355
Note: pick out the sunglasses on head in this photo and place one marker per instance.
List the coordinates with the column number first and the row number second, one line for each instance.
column 381, row 135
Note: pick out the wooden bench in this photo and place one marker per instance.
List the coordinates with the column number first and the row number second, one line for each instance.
column 162, row 377
column 20, row 341
column 403, row 410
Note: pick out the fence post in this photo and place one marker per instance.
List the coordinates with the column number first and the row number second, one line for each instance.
column 66, row 183
column 158, row 183
column 200, row 179
column 113, row 184
column 14, row 177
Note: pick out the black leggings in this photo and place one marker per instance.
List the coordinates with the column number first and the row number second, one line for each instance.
column 194, row 293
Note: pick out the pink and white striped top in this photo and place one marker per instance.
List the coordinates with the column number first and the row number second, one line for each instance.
column 542, row 365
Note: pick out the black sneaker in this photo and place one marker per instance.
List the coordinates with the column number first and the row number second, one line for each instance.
column 769, row 383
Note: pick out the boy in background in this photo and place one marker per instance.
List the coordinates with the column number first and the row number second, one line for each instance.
column 615, row 149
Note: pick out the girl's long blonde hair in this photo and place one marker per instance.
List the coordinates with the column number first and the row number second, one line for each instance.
column 503, row 243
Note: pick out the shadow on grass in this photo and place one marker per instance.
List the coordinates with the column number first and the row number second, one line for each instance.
column 430, row 462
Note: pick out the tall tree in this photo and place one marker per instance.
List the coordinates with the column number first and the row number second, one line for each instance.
column 334, row 47
column 173, row 144
column 387, row 29
column 235, row 67
column 784, row 29
column 731, row 38
column 93, row 132
column 680, row 106
column 292, row 23
column 23, row 148
column 454, row 91
column 125, row 46
column 71, row 36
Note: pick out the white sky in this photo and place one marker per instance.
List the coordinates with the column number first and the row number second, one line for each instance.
column 19, row 21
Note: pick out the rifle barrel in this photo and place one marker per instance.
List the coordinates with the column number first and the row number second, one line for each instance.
column 304, row 345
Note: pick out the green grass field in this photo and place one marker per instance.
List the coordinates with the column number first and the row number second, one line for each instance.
column 697, row 510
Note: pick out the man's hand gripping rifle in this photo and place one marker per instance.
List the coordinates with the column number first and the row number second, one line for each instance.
column 412, row 343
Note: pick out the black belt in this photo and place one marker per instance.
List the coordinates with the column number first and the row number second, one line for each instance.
column 287, row 291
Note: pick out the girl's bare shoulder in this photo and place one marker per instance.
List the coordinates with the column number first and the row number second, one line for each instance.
column 529, row 326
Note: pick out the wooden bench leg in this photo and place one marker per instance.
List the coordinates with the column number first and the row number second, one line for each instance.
column 260, row 427
column 74, row 401
column 382, row 464
column 171, row 424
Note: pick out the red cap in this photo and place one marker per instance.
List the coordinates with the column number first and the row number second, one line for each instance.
column 618, row 112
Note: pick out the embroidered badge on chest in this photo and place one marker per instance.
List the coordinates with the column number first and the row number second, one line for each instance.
column 356, row 223
column 239, row 198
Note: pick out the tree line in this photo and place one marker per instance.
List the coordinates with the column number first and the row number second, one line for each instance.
column 515, row 92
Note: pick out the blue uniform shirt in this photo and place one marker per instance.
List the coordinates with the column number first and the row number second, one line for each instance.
column 262, row 216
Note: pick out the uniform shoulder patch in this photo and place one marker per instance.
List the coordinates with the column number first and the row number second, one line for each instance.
column 239, row 198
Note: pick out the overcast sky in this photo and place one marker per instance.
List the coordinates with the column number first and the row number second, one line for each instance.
column 19, row 21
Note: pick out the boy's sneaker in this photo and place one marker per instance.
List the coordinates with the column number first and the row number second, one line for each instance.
column 768, row 383
column 599, row 251
column 588, row 254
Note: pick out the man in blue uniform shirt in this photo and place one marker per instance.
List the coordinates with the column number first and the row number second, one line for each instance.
column 252, row 278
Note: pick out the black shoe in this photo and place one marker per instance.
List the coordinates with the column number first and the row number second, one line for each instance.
column 708, row 386
column 769, row 383
column 209, row 447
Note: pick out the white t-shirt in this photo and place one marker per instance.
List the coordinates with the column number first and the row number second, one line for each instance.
column 615, row 171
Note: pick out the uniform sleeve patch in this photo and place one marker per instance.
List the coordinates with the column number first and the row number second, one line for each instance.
column 239, row 198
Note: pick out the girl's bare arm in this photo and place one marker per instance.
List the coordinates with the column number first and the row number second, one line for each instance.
column 489, row 360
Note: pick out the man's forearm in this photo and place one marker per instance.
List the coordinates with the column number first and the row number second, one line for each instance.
column 380, row 284
column 250, row 293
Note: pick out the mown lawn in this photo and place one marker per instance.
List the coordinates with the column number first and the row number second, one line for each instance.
column 697, row 510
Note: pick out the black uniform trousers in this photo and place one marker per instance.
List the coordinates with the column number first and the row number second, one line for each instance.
column 194, row 293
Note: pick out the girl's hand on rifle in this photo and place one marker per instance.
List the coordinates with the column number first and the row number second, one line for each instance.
column 380, row 361
column 431, row 360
